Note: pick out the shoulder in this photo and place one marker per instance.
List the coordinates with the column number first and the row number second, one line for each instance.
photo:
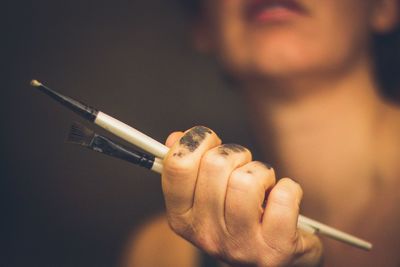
column 154, row 244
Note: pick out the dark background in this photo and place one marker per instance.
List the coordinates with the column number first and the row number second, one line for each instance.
column 63, row 205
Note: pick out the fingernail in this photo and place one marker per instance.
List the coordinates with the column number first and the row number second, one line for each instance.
column 226, row 149
column 194, row 137
column 268, row 166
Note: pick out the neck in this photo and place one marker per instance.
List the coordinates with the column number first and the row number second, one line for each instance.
column 324, row 139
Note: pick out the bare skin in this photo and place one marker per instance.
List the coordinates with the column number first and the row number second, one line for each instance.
column 318, row 116
column 371, row 213
column 351, row 140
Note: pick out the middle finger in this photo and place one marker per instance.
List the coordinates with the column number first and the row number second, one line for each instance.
column 215, row 168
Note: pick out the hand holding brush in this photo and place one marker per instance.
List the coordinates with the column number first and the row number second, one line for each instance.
column 191, row 141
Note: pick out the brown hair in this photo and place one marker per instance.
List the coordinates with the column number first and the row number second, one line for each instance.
column 387, row 62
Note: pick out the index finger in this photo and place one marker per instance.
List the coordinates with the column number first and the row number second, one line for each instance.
column 181, row 167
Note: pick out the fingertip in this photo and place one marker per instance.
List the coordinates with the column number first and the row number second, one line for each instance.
column 173, row 138
column 287, row 190
column 292, row 186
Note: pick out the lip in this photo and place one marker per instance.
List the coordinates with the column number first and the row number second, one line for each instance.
column 264, row 11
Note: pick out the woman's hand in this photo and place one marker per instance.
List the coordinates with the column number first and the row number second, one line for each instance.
column 232, row 207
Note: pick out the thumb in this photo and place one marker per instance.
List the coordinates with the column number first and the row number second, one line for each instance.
column 309, row 250
column 172, row 138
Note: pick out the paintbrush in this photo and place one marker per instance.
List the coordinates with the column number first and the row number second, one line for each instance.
column 86, row 137
column 157, row 149
column 107, row 122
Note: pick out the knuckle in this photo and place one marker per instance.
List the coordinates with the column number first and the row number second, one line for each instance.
column 179, row 225
column 237, row 253
column 280, row 253
column 209, row 244
column 213, row 160
column 283, row 195
column 241, row 180
column 179, row 166
column 175, row 226
column 207, row 239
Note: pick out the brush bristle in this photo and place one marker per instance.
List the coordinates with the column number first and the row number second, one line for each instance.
column 35, row 83
column 79, row 134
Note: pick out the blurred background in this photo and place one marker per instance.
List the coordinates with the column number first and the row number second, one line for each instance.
column 63, row 205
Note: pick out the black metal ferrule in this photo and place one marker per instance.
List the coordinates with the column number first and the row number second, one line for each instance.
column 108, row 147
column 80, row 108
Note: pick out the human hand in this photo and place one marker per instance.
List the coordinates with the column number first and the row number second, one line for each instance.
column 232, row 207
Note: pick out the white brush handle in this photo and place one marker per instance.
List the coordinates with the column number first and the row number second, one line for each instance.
column 334, row 233
column 157, row 166
column 157, row 149
column 131, row 135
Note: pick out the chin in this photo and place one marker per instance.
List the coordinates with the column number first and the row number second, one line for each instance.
column 280, row 58
column 283, row 64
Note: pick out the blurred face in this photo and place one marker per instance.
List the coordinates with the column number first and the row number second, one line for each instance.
column 279, row 38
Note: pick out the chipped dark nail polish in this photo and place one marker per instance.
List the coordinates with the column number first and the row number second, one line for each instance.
column 193, row 138
column 267, row 165
column 227, row 149
column 178, row 154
